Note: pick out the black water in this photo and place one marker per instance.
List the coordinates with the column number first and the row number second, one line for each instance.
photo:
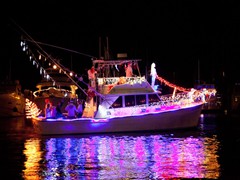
column 210, row 151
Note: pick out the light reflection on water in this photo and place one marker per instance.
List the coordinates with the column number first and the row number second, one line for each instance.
column 151, row 156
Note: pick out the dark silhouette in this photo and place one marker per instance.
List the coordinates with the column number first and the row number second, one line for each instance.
column 58, row 109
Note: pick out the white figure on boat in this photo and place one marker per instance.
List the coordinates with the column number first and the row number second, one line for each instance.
column 153, row 74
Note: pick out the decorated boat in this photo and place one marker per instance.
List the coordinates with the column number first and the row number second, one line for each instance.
column 116, row 100
column 127, row 104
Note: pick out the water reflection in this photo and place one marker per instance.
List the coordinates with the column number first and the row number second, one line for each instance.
column 33, row 153
column 122, row 157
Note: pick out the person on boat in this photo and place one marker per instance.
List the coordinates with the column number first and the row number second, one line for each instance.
column 71, row 109
column 47, row 101
column 48, row 108
column 128, row 70
column 153, row 74
column 92, row 77
column 48, row 111
column 80, row 108
column 58, row 109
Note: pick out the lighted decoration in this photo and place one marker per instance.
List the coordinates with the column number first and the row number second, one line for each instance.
column 35, row 94
column 31, row 109
column 22, row 43
column 172, row 85
column 41, row 54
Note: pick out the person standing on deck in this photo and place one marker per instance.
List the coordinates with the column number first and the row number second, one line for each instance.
column 48, row 108
column 153, row 74
column 47, row 101
column 58, row 109
column 128, row 70
column 48, row 111
column 92, row 77
column 71, row 109
column 80, row 108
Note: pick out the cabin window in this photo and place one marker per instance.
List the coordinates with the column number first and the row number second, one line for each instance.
column 129, row 101
column 152, row 98
column 117, row 103
column 140, row 99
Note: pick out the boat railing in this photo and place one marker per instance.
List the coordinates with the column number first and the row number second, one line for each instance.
column 52, row 91
column 106, row 84
column 183, row 98
column 120, row 80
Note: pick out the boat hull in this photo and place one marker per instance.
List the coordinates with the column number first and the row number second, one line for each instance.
column 165, row 120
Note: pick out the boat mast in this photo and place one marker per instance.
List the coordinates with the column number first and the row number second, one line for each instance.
column 107, row 50
column 100, row 48
column 199, row 81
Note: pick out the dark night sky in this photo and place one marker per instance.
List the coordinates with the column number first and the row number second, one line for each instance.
column 176, row 35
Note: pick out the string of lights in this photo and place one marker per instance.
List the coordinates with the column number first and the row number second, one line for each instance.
column 179, row 88
column 45, row 61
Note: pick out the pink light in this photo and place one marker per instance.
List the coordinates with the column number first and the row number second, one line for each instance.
column 99, row 120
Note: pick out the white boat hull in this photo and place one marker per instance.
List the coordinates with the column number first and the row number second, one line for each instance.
column 164, row 120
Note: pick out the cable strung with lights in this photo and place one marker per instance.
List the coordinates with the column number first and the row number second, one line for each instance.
column 45, row 61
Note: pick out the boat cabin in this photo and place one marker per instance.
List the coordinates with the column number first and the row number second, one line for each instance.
column 120, row 92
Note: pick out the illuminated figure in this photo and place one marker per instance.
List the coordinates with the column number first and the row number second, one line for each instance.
column 153, row 74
